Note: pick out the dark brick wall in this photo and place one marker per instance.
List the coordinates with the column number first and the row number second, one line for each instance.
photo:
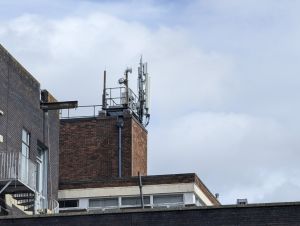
column 89, row 148
column 20, row 101
column 283, row 214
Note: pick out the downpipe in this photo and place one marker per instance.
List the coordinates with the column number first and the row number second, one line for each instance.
column 120, row 124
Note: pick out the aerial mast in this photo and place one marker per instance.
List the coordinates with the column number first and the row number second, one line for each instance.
column 143, row 93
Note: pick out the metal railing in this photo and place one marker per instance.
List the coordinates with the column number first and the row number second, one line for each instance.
column 117, row 98
column 15, row 166
column 9, row 165
column 114, row 98
column 84, row 111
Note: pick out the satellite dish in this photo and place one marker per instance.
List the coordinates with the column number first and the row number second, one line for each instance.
column 121, row 81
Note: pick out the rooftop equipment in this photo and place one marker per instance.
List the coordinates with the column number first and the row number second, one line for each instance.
column 117, row 99
column 241, row 201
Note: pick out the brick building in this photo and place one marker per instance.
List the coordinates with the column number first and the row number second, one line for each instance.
column 94, row 140
column 96, row 165
column 90, row 162
column 103, row 160
column 28, row 167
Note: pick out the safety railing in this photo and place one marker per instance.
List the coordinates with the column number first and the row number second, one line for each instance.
column 84, row 111
column 15, row 166
column 9, row 165
column 118, row 97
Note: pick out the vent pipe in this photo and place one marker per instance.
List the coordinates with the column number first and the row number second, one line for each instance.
column 104, row 92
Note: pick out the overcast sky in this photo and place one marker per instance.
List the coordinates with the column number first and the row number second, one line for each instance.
column 224, row 80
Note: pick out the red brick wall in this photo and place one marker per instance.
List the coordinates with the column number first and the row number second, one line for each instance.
column 89, row 148
column 139, row 149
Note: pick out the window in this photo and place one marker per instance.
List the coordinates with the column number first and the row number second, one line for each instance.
column 104, row 202
column 168, row 199
column 68, row 203
column 25, row 143
column 41, row 173
column 135, row 201
column 199, row 202
column 24, row 167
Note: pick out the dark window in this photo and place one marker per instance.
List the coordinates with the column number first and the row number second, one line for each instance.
column 68, row 203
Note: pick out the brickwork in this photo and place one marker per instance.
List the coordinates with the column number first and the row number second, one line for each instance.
column 89, row 148
column 274, row 214
column 139, row 149
column 20, row 102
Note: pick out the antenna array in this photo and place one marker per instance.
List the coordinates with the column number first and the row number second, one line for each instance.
column 143, row 93
column 138, row 104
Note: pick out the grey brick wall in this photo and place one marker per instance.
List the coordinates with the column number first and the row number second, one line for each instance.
column 20, row 102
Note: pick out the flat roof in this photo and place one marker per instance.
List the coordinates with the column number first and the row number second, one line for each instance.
column 134, row 181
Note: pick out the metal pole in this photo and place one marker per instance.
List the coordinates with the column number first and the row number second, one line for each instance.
column 104, row 92
column 5, row 186
column 141, row 190
column 126, row 85
column 120, row 151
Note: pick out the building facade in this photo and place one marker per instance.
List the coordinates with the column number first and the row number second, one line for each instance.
column 29, row 141
column 87, row 163
column 103, row 161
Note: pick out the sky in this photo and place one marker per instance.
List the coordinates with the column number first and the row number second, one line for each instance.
column 224, row 80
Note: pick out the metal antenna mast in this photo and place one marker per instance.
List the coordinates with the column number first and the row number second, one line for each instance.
column 116, row 99
column 143, row 92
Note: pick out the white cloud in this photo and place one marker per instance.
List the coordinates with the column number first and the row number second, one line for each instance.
column 251, row 156
column 76, row 48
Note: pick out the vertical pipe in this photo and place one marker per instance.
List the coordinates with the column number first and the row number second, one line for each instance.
column 104, row 91
column 141, row 190
column 120, row 151
column 120, row 124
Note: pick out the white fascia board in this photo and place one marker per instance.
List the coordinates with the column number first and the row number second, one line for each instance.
column 125, row 191
column 202, row 196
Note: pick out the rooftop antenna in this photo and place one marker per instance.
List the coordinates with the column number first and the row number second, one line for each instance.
column 137, row 104
column 143, row 93
column 104, row 103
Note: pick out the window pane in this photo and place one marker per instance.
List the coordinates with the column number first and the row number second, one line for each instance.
column 25, row 137
column 134, row 201
column 25, row 150
column 68, row 203
column 199, row 202
column 104, row 202
column 167, row 199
